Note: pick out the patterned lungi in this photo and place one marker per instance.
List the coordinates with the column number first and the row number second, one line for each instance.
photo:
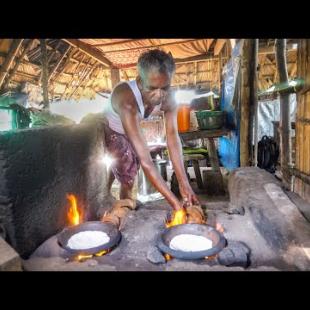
column 126, row 163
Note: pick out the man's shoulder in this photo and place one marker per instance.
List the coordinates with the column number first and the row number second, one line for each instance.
column 122, row 89
column 123, row 96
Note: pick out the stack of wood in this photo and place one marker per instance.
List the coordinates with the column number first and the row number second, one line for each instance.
column 117, row 214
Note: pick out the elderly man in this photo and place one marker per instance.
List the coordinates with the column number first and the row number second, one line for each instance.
column 139, row 99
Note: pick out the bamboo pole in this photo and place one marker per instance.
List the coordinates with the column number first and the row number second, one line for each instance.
column 44, row 72
column 246, row 61
column 285, row 123
column 255, row 103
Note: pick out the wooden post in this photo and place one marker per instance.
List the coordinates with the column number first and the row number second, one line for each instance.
column 15, row 46
column 285, row 122
column 215, row 164
column 246, row 62
column 255, row 94
column 253, row 126
column 44, row 72
column 115, row 77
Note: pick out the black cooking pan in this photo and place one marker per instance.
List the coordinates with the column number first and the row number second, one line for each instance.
column 218, row 240
column 110, row 229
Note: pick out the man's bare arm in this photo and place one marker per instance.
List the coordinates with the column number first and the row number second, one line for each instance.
column 176, row 151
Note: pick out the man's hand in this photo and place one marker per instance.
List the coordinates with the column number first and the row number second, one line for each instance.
column 188, row 195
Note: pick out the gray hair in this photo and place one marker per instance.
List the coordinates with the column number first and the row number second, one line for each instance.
column 156, row 59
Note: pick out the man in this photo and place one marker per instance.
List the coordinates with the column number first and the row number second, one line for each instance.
column 129, row 103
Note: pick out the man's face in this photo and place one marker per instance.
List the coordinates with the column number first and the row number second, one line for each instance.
column 155, row 87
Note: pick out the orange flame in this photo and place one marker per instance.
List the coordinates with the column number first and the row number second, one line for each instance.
column 167, row 257
column 73, row 214
column 101, row 253
column 178, row 218
column 82, row 258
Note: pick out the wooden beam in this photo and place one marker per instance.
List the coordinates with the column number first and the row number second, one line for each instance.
column 285, row 122
column 17, row 63
column 219, row 46
column 246, row 61
column 76, row 70
column 271, row 49
column 209, row 43
column 54, row 52
column 125, row 75
column 56, row 74
column 32, row 77
column 196, row 72
column 15, row 46
column 117, row 43
column 44, row 72
column 254, row 105
column 115, row 76
column 153, row 46
column 58, row 63
column 199, row 58
column 83, row 79
column 90, row 51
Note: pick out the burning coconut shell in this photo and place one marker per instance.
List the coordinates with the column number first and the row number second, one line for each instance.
column 195, row 215
column 117, row 214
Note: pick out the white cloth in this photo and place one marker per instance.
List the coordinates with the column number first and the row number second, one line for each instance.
column 115, row 122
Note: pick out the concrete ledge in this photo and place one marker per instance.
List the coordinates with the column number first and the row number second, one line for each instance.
column 9, row 259
column 276, row 218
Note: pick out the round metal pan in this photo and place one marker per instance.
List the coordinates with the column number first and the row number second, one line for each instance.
column 218, row 240
column 110, row 229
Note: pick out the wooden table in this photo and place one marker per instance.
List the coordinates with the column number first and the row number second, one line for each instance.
column 209, row 135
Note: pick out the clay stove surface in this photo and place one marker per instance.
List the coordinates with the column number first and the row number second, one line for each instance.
column 138, row 238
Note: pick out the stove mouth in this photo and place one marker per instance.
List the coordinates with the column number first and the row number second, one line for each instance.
column 207, row 231
column 108, row 228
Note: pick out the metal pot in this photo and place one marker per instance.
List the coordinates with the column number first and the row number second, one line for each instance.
column 218, row 240
column 110, row 229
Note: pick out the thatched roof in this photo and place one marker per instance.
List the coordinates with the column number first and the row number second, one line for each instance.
column 80, row 67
